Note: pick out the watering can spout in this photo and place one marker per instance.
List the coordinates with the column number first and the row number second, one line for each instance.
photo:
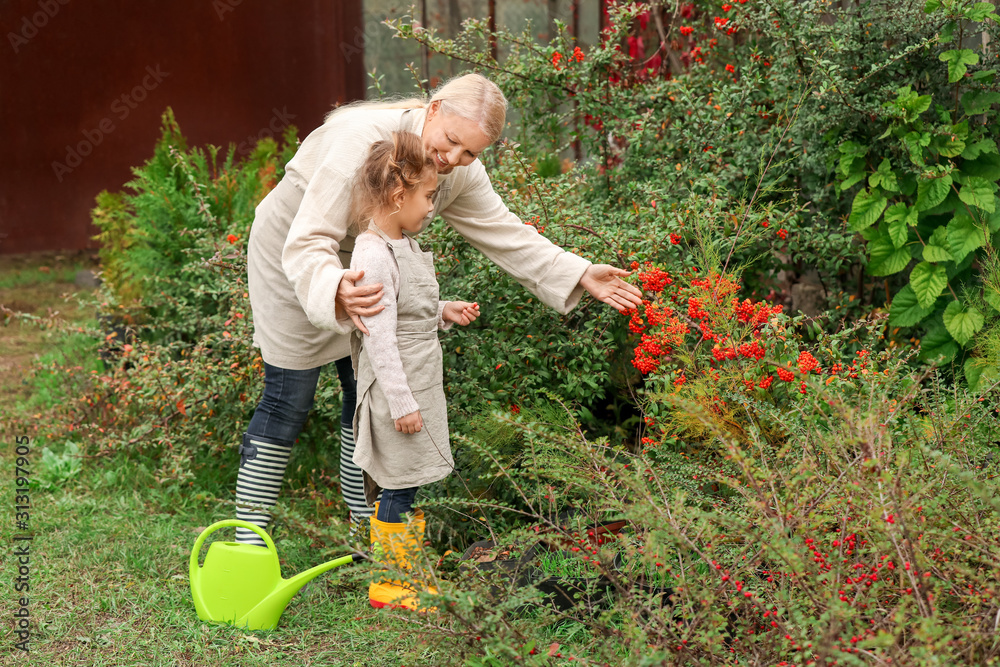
column 275, row 603
column 241, row 584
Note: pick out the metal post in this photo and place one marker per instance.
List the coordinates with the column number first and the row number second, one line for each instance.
column 492, row 11
column 424, row 52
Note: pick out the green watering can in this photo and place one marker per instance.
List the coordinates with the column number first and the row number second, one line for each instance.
column 241, row 584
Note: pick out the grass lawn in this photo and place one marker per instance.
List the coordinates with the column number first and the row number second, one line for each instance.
column 110, row 587
column 41, row 285
column 109, row 558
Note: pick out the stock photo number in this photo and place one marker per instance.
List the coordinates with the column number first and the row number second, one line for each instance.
column 21, row 554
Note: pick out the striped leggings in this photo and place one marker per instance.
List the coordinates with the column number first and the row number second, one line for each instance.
column 267, row 444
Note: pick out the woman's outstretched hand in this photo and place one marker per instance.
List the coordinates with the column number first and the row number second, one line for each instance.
column 411, row 423
column 357, row 301
column 605, row 284
column 460, row 312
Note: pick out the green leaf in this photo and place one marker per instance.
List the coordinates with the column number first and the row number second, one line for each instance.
column 964, row 236
column 900, row 211
column 992, row 297
column 896, row 219
column 979, row 101
column 933, row 191
column 961, row 130
column 962, row 321
column 905, row 310
column 948, row 145
column 885, row 259
column 928, row 281
column 932, row 6
column 939, row 236
column 957, row 60
column 993, row 221
column 884, row 177
column 853, row 148
column 985, row 166
column 978, row 192
column 938, row 345
column 852, row 157
column 908, row 184
column 936, row 253
column 910, row 103
column 978, row 370
column 986, row 74
column 947, row 32
column 980, row 12
column 873, row 234
column 915, row 142
column 918, row 105
column 852, row 179
column 866, row 209
column 974, row 150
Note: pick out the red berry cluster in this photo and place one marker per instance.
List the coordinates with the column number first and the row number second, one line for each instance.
column 807, row 363
column 698, row 308
column 655, row 280
column 533, row 222
column 576, row 56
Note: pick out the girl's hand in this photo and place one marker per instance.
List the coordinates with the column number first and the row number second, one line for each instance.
column 411, row 423
column 460, row 312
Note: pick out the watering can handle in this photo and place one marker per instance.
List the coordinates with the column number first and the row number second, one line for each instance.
column 227, row 523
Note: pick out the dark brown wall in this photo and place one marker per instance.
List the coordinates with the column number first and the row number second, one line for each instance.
column 83, row 84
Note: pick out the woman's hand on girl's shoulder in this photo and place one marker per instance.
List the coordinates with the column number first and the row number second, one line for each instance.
column 460, row 312
column 355, row 301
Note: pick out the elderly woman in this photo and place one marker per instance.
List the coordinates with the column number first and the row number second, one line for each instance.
column 305, row 303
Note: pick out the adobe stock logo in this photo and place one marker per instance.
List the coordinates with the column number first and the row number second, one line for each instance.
column 30, row 25
column 121, row 107
column 371, row 32
column 223, row 7
column 280, row 120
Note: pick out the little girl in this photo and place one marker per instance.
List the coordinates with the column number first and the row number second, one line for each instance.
column 401, row 420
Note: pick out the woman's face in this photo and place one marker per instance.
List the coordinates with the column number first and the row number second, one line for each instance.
column 451, row 141
column 416, row 204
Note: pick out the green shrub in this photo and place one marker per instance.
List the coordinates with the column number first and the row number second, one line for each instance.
column 186, row 215
column 182, row 377
column 929, row 194
column 865, row 533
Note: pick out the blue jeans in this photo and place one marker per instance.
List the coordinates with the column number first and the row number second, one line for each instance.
column 288, row 398
column 395, row 503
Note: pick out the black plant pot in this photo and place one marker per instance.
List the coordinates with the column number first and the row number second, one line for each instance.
column 565, row 594
column 512, row 572
column 664, row 592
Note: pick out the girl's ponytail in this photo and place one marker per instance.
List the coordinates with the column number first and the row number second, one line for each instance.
column 393, row 166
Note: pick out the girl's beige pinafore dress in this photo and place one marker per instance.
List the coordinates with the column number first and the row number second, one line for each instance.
column 389, row 458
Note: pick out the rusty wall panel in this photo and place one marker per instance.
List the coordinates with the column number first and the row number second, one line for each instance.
column 83, row 84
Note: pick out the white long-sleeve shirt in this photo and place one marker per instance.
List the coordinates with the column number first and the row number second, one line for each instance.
column 299, row 243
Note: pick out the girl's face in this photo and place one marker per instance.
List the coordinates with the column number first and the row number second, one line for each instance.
column 451, row 141
column 416, row 204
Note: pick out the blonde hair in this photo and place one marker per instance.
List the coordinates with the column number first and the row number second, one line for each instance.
column 392, row 167
column 470, row 96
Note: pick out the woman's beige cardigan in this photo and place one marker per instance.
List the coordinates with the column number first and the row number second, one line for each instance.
column 299, row 242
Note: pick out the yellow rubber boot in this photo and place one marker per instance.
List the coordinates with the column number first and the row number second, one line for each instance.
column 397, row 543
